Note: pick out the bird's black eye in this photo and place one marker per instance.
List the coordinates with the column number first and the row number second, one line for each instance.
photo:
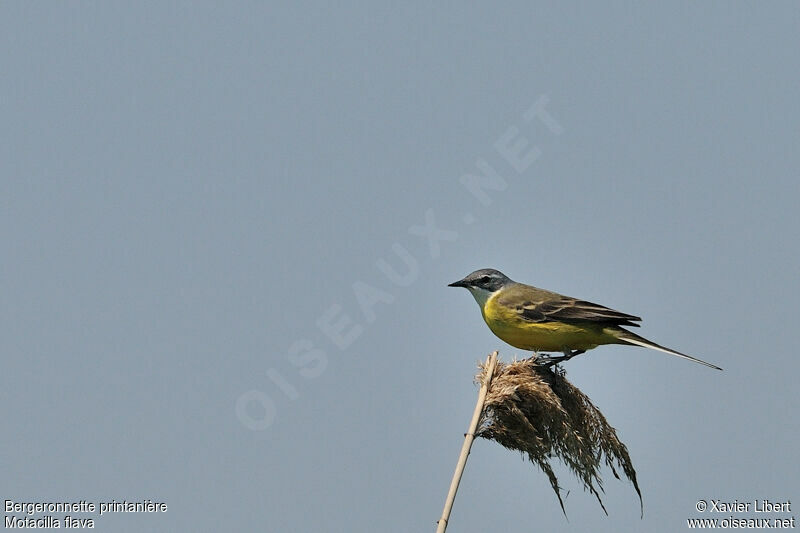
column 484, row 279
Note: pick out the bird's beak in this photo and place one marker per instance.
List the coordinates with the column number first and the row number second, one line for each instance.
column 459, row 283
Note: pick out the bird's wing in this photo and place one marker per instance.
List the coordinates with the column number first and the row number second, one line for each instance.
column 537, row 305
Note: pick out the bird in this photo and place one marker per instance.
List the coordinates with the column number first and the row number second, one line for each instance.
column 539, row 320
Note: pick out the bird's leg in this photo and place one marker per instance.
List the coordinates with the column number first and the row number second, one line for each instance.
column 546, row 359
column 541, row 358
column 568, row 354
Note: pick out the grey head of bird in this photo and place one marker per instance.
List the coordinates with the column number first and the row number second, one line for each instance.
column 483, row 283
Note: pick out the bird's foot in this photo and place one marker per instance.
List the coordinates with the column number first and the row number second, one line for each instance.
column 549, row 360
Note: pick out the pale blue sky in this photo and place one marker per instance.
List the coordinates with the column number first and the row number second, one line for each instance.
column 189, row 189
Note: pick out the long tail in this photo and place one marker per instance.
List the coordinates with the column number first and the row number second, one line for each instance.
column 632, row 338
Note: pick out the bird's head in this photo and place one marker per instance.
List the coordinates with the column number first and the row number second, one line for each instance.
column 483, row 283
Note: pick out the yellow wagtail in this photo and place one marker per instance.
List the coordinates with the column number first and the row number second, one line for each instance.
column 534, row 319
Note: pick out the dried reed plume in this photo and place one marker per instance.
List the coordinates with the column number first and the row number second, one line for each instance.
column 536, row 411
